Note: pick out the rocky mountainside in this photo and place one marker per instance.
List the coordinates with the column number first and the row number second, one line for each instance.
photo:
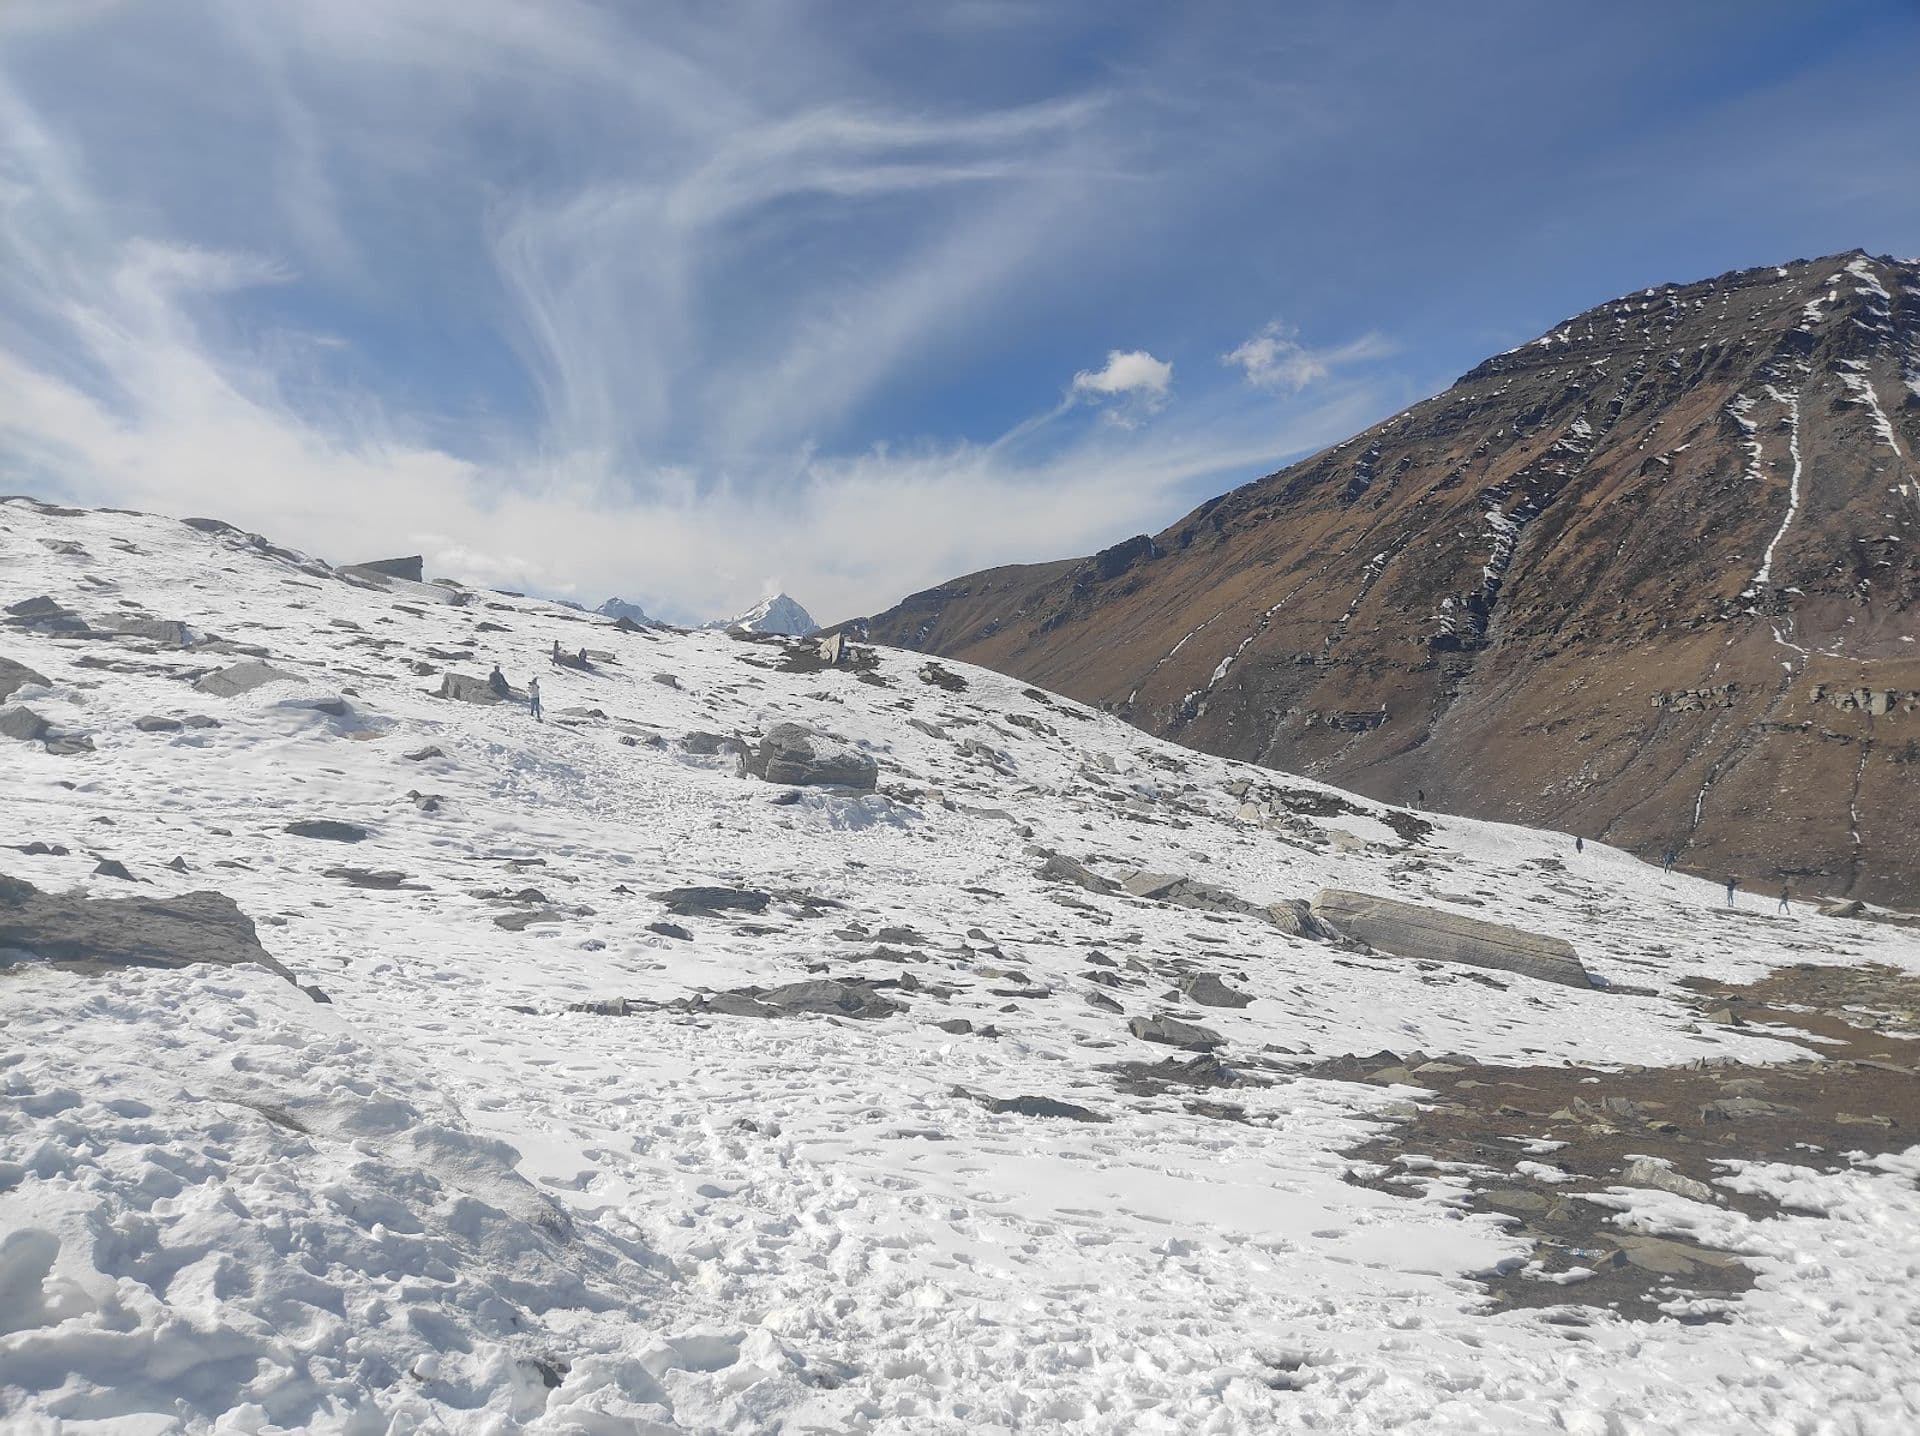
column 767, row 1044
column 1650, row 578
column 779, row 614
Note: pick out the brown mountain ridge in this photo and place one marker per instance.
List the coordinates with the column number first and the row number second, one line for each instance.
column 1649, row 578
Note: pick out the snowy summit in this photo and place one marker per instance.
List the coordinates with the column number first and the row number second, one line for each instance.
column 779, row 614
column 620, row 608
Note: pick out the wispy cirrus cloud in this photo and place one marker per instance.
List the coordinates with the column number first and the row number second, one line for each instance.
column 584, row 298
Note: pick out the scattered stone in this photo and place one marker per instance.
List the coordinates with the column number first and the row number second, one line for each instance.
column 806, row 757
column 242, row 678
column 155, row 724
column 420, row 755
column 1102, row 1002
column 168, row 632
column 670, row 929
column 327, row 830
column 666, row 680
column 42, row 850
column 23, row 724
column 113, row 868
column 1413, row 931
column 942, row 677
column 826, row 995
column 1174, row 1033
column 957, row 1026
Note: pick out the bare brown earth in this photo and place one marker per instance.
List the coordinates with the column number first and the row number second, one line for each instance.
column 1856, row 1095
column 1539, row 596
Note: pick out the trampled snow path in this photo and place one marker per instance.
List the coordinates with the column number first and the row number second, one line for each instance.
column 446, row 1203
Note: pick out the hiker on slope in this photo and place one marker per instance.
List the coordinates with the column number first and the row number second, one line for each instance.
column 497, row 683
column 1668, row 859
column 533, row 698
column 1732, row 883
column 1786, row 898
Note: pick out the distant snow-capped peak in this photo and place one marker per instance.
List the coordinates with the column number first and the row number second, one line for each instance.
column 779, row 614
column 620, row 608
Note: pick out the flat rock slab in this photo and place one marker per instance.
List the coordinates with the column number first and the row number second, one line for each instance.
column 1409, row 930
column 705, row 901
column 1175, row 1033
column 83, row 934
column 240, row 678
column 328, row 830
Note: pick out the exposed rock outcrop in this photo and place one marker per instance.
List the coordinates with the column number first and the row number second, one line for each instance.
column 1410, row 930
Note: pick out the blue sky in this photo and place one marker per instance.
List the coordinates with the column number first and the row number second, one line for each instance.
column 689, row 302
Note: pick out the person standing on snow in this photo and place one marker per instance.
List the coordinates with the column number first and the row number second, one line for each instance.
column 533, row 698
column 1579, row 843
column 1669, row 859
column 1786, row 898
column 1732, row 883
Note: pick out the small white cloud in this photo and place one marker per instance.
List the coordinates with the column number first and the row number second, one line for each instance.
column 1275, row 359
column 1132, row 372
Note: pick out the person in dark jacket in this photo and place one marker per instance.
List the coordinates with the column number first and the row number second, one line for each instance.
column 1786, row 898
column 1668, row 859
column 497, row 683
column 1732, row 883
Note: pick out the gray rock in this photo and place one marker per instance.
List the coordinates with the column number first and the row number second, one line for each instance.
column 1294, row 917
column 112, row 868
column 95, row 934
column 327, row 830
column 828, row 995
column 1649, row 1172
column 165, row 631
column 670, row 929
column 1175, row 1033
column 1208, row 990
column 153, row 723
column 420, row 755
column 1029, row 1106
column 805, row 757
column 1062, row 869
column 705, row 745
column 44, row 615
column 463, row 689
column 23, row 724
column 412, row 568
column 1413, row 931
column 242, row 678
column 377, row 879
column 706, row 901
column 14, row 676
column 521, row 921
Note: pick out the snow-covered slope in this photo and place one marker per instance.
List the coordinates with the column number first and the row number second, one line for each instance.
column 779, row 614
column 451, row 1200
column 620, row 608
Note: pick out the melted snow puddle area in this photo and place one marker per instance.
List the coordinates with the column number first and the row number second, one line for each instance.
column 650, row 1097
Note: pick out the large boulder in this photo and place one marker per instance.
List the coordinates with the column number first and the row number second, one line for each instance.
column 27, row 726
column 15, row 676
column 463, row 689
column 241, row 678
column 806, row 757
column 1409, row 930
column 168, row 632
column 92, row 934
column 1175, row 1033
